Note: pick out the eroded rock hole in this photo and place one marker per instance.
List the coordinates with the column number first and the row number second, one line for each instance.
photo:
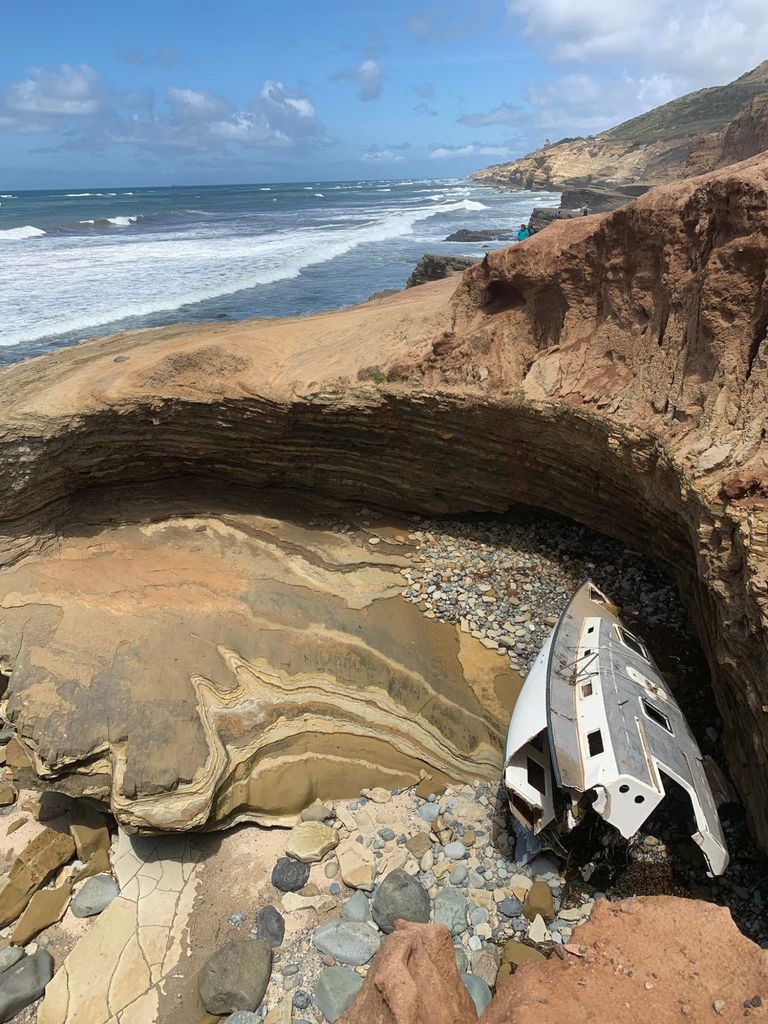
column 501, row 296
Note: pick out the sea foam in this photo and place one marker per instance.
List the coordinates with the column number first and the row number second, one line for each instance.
column 19, row 234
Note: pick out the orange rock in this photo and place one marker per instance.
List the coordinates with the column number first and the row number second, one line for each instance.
column 413, row 980
column 653, row 958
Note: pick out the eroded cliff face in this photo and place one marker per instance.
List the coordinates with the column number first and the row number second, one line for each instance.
column 614, row 369
column 649, row 150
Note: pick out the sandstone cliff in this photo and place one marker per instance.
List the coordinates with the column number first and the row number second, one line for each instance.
column 614, row 369
column 692, row 135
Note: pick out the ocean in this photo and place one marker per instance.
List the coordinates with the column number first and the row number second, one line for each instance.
column 82, row 263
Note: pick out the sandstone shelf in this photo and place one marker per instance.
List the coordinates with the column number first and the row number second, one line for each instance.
column 613, row 369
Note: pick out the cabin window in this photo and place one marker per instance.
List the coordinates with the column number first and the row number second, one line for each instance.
column 596, row 596
column 655, row 715
column 525, row 811
column 536, row 776
column 595, row 743
column 586, row 690
column 538, row 742
column 632, row 643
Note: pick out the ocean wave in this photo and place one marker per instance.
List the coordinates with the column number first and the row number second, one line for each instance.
column 82, row 195
column 319, row 195
column 265, row 189
column 6, row 196
column 160, row 277
column 19, row 234
column 116, row 222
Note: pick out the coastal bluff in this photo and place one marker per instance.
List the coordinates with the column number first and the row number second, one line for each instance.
column 613, row 369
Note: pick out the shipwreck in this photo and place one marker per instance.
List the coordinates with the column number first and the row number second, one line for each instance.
column 596, row 730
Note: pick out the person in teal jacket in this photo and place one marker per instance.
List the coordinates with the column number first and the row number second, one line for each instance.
column 523, row 233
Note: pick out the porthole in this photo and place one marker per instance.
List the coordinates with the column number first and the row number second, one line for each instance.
column 624, row 788
column 639, row 799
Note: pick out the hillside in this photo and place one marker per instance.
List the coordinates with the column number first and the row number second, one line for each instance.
column 694, row 134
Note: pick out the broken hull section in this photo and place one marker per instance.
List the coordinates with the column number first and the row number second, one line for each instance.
column 596, row 729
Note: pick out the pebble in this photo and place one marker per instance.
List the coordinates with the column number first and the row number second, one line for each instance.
column 455, row 850
column 429, row 812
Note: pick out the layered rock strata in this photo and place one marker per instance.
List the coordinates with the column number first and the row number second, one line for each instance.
column 613, row 369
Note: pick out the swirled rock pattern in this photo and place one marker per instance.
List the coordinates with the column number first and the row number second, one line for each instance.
column 614, row 368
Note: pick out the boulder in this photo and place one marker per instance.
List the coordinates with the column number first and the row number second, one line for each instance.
column 310, row 841
column 435, row 266
column 413, row 980
column 399, row 897
column 335, row 989
column 270, row 926
column 357, row 864
column 289, row 875
column 24, row 982
column 43, row 855
column 94, row 895
column 349, row 942
column 236, row 976
column 483, row 235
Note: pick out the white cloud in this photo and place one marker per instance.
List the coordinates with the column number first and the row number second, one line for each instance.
column 67, row 91
column 380, row 156
column 505, row 113
column 471, row 149
column 369, row 75
column 703, row 40
column 70, row 100
column 189, row 103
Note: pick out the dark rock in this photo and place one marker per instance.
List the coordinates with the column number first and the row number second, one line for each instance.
column 236, row 977
column 9, row 956
column 24, row 982
column 335, row 989
column 434, row 267
column 510, row 907
column 301, row 999
column 270, row 925
column 399, row 897
column 289, row 875
column 489, row 235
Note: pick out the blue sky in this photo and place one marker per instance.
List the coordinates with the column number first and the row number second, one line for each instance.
column 171, row 92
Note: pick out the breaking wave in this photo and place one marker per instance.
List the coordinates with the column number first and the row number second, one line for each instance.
column 18, row 234
column 154, row 277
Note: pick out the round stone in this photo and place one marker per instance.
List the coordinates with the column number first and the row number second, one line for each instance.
column 289, row 875
column 349, row 942
column 399, row 897
column 478, row 990
column 94, row 895
column 451, row 910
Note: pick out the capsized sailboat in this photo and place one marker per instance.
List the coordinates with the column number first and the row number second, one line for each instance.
column 596, row 728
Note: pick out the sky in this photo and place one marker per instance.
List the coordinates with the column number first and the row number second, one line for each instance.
column 195, row 92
